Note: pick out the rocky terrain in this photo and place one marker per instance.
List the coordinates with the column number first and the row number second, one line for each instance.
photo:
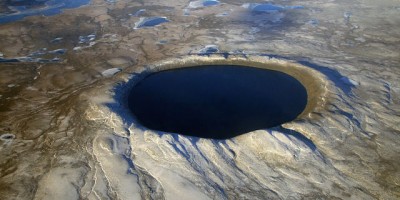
column 66, row 133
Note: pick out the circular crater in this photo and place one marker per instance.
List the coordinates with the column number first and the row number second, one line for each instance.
column 219, row 100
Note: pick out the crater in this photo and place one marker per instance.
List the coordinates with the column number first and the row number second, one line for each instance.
column 219, row 100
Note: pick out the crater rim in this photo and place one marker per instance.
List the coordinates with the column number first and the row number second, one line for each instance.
column 315, row 83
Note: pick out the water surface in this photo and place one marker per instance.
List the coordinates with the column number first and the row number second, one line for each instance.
column 217, row 101
column 16, row 10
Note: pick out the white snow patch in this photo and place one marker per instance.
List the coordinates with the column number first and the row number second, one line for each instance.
column 77, row 48
column 209, row 49
column 349, row 81
column 110, row 72
column 111, row 151
column 61, row 182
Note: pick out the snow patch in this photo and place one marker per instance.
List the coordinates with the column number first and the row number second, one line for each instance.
column 349, row 81
column 110, row 72
column 209, row 49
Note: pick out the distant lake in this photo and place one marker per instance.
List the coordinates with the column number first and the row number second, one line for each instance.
column 16, row 10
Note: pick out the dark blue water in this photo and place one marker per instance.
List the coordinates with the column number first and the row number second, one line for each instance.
column 268, row 7
column 19, row 9
column 210, row 3
column 151, row 21
column 216, row 101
